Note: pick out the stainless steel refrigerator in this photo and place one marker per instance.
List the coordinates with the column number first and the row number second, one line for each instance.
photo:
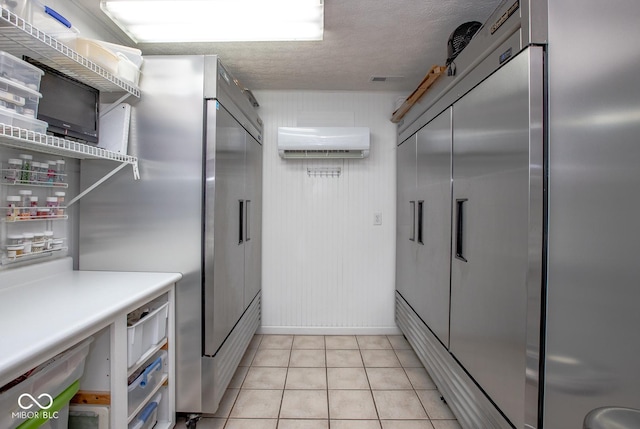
column 538, row 135
column 196, row 210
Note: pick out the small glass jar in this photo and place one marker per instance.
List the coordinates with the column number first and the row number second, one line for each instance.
column 15, row 251
column 33, row 206
column 44, row 212
column 25, row 174
column 37, row 247
column 60, row 171
column 25, row 196
column 60, row 196
column 14, row 203
column 51, row 171
column 27, row 241
column 13, row 173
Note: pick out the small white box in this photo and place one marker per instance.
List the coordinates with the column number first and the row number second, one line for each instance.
column 146, row 333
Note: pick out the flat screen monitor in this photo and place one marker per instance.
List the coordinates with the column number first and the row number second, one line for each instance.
column 70, row 107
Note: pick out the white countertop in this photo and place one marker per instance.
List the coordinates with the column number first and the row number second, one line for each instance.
column 59, row 308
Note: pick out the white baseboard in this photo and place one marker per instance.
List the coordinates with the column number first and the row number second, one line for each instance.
column 329, row 330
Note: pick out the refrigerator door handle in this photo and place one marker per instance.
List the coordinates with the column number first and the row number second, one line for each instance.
column 460, row 229
column 412, row 237
column 240, row 221
column 247, row 218
column 420, row 221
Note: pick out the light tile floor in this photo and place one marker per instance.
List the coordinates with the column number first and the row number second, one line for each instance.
column 331, row 382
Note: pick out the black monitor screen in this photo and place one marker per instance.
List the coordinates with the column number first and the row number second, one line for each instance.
column 69, row 107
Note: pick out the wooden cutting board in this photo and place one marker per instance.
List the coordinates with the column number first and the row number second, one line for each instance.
column 412, row 99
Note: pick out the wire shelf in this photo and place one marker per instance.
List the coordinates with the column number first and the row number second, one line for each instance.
column 30, row 140
column 18, row 37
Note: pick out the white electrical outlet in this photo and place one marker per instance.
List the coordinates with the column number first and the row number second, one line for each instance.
column 377, row 218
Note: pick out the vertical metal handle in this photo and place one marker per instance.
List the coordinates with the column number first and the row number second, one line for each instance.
column 412, row 237
column 240, row 221
column 420, row 221
column 247, row 220
column 460, row 229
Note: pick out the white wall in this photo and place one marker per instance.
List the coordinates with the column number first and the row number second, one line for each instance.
column 326, row 268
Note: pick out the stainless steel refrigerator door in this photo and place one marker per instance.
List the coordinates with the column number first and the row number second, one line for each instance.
column 433, row 225
column 495, row 157
column 593, row 319
column 406, row 252
column 253, row 221
column 224, row 226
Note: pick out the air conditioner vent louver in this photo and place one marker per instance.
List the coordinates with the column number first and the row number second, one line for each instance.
column 323, row 142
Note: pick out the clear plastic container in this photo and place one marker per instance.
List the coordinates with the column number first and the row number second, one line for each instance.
column 30, row 124
column 20, row 71
column 27, row 160
column 27, row 241
column 47, row 238
column 37, row 247
column 14, row 169
column 19, row 97
column 25, row 196
column 33, row 206
column 97, row 53
column 22, row 8
column 38, row 237
column 15, row 251
column 148, row 380
column 14, row 203
column 14, row 239
column 148, row 417
column 51, row 171
column 52, row 205
column 60, row 171
column 60, row 196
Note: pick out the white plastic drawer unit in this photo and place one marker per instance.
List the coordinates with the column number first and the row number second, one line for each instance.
column 148, row 331
column 147, row 382
column 50, row 378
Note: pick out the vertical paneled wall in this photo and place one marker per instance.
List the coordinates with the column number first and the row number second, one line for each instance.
column 326, row 267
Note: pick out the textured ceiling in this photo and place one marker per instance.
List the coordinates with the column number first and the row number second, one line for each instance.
column 362, row 38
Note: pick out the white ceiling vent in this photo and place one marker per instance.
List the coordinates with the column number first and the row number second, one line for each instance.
column 323, row 142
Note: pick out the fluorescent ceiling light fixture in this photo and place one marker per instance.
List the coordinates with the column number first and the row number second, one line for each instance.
column 166, row 21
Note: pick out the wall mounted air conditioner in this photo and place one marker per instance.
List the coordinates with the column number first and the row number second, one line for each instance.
column 323, row 142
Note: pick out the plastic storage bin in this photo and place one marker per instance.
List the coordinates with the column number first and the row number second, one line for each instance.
column 19, row 71
column 51, row 26
column 146, row 333
column 147, row 381
column 57, row 416
column 97, row 53
column 88, row 416
column 22, row 8
column 148, row 417
column 15, row 96
column 10, row 117
column 52, row 378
